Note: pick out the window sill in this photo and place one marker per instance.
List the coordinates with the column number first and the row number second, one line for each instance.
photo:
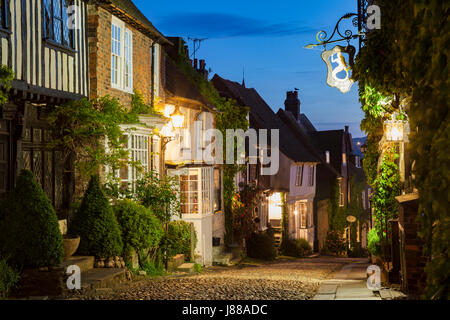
column 56, row 46
column 115, row 87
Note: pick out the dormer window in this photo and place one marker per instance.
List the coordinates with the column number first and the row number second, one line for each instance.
column 56, row 22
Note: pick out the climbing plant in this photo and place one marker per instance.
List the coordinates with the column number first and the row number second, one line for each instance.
column 229, row 115
column 386, row 188
column 90, row 131
column 6, row 77
column 408, row 58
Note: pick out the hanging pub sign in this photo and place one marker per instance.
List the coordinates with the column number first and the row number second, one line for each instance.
column 338, row 68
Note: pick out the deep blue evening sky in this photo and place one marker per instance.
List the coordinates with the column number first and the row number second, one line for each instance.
column 267, row 38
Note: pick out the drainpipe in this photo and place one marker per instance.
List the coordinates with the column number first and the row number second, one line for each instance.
column 153, row 75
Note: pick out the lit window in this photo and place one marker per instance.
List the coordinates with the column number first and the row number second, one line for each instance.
column 121, row 56
column 327, row 156
column 217, row 189
column 56, row 22
column 196, row 190
column 299, row 177
column 303, row 215
column 344, row 158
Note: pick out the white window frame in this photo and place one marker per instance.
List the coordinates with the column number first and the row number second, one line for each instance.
column 122, row 51
column 311, row 176
column 138, row 149
column 157, row 69
column 299, row 176
column 302, row 209
column 204, row 190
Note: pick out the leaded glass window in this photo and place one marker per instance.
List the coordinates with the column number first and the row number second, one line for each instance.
column 56, row 22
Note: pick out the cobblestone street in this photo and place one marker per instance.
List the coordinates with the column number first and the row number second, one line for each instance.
column 280, row 280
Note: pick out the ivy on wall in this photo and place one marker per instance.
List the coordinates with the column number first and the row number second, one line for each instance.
column 408, row 58
column 6, row 77
column 229, row 115
column 386, row 188
column 80, row 128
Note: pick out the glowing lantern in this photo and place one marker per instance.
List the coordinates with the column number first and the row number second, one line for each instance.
column 177, row 118
column 397, row 128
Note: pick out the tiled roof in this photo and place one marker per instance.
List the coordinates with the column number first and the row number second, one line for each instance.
column 130, row 8
column 179, row 85
column 331, row 141
column 263, row 117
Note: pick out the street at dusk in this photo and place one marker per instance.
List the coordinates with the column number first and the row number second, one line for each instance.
column 239, row 159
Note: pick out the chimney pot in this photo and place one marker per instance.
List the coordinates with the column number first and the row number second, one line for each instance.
column 346, row 128
column 196, row 64
column 292, row 104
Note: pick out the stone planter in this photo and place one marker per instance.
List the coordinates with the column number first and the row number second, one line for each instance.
column 71, row 244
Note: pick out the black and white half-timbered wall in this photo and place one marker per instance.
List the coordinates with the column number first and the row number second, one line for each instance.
column 44, row 42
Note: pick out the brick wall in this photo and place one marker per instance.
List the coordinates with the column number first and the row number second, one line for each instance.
column 99, row 37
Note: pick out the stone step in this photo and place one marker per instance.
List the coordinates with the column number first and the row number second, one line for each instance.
column 102, row 278
column 176, row 261
column 187, row 267
column 85, row 263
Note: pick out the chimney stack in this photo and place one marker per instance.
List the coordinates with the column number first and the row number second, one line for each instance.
column 346, row 129
column 186, row 51
column 292, row 104
column 195, row 64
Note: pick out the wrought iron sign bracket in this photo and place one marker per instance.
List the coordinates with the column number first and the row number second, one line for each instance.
column 347, row 35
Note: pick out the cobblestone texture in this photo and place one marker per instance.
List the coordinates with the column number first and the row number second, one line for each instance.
column 281, row 280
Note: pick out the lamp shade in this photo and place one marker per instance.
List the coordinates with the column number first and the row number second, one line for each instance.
column 177, row 118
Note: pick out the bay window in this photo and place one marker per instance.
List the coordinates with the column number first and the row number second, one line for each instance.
column 303, row 215
column 196, row 190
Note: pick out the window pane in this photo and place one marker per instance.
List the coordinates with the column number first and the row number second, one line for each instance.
column 56, row 9
column 66, row 30
column 57, row 27
column 48, row 19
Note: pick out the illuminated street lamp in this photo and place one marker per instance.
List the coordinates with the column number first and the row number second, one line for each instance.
column 397, row 128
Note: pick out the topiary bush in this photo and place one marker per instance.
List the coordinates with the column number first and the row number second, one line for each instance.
column 303, row 247
column 177, row 239
column 261, row 245
column 141, row 230
column 288, row 248
column 29, row 229
column 374, row 242
column 8, row 278
column 96, row 224
column 295, row 248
